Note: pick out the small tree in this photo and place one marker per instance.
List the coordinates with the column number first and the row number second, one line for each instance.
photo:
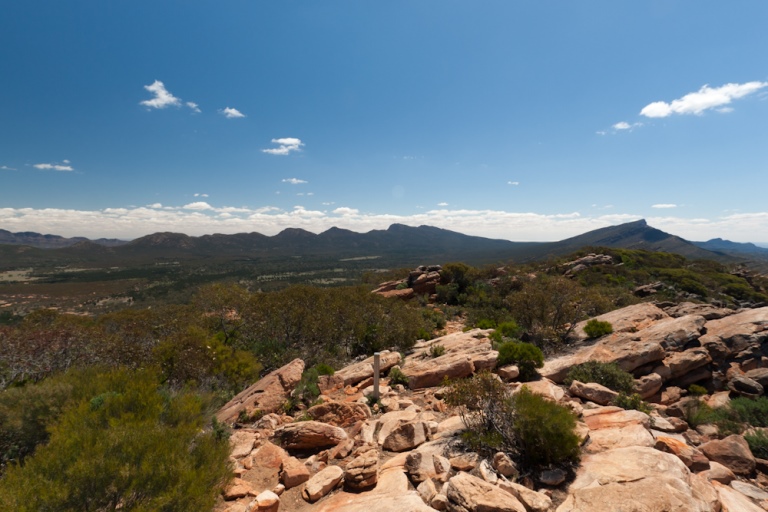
column 526, row 356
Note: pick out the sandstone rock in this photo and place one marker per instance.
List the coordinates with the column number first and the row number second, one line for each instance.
column 648, row 385
column 322, row 483
column 241, row 443
column 628, row 464
column 628, row 351
column 267, row 501
column 358, row 372
column 733, row 501
column 363, row 471
column 430, row 373
column 704, row 491
column 504, row 464
column 611, row 416
column 269, row 456
column 441, row 464
column 465, row 462
column 708, row 311
column 732, row 452
column 629, row 319
column 341, row 450
column 744, row 386
column 593, row 392
column 691, row 457
column 468, row 493
column 604, row 439
column 680, row 363
column 552, row 477
column 486, row 472
column 266, row 395
column 749, row 490
column 509, row 372
column 237, row 489
column 736, row 332
column 309, row 435
column 329, row 383
column 427, row 490
column 759, row 375
column 532, row 501
column 341, row 414
column 673, row 334
column 293, row 472
column 406, row 436
column 542, row 387
column 413, row 466
column 719, row 473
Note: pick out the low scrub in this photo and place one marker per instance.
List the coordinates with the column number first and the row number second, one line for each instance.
column 596, row 328
column 526, row 356
column 605, row 374
column 535, row 431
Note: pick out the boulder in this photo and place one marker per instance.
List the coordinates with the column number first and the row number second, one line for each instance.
column 363, row 471
column 733, row 501
column 614, row 417
column 541, row 387
column 305, row 435
column 431, row 372
column 293, row 472
column 269, row 456
column 691, row 457
column 241, row 443
column 593, row 392
column 391, row 493
column 322, row 483
column 406, row 436
column 648, row 385
column 266, row 501
column 604, row 439
column 504, row 464
column 341, row 414
column 744, row 386
column 508, row 372
column 759, row 375
column 673, row 334
column 680, row 363
column 358, row 372
column 267, row 395
column 532, row 501
column 427, row 490
column 629, row 319
column 708, row 311
column 732, row 452
column 734, row 333
column 467, row 493
column 719, row 473
column 237, row 489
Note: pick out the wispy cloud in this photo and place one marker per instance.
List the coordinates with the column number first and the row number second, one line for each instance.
column 343, row 210
column 54, row 167
column 286, row 146
column 194, row 106
column 162, row 97
column 6, row 168
column 702, row 100
column 442, row 204
column 231, row 113
column 294, row 181
column 513, row 183
column 200, row 195
column 664, row 205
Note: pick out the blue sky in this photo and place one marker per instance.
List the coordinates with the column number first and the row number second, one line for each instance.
column 525, row 120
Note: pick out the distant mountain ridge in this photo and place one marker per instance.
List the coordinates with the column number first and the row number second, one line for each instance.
column 398, row 243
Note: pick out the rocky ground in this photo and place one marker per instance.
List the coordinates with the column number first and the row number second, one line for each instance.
column 403, row 455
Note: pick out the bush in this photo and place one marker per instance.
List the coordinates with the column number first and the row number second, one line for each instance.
column 545, row 431
column 596, row 328
column 758, row 443
column 633, row 401
column 747, row 410
column 135, row 447
column 696, row 390
column 605, row 374
column 396, row 376
column 436, row 350
column 526, row 356
column 324, row 369
column 485, row 323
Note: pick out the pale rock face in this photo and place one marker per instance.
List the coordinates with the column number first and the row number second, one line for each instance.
column 406, row 436
column 267, row 501
column 678, row 364
column 293, row 472
column 468, row 493
column 341, row 414
column 266, row 395
column 648, row 385
column 309, row 435
column 542, row 387
column 605, row 439
column 614, row 417
column 504, row 465
column 242, row 443
column 732, row 452
column 593, row 392
column 237, row 489
column 733, row 501
column 734, row 333
column 629, row 319
column 322, row 483
column 363, row 471
column 532, row 500
column 691, row 457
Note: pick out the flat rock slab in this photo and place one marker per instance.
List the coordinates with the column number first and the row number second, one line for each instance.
column 305, row 435
column 618, row 437
column 363, row 370
column 614, row 417
column 467, row 493
column 629, row 319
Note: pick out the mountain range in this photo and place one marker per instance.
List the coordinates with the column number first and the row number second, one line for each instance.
column 405, row 244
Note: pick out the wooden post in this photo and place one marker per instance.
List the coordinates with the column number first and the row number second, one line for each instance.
column 376, row 367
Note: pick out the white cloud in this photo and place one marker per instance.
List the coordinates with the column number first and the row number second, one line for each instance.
column 664, row 205
column 622, row 125
column 346, row 211
column 162, row 98
column 515, row 183
column 199, row 205
column 193, row 106
column 294, row 181
column 231, row 113
column 6, row 168
column 442, row 204
column 286, row 146
column 704, row 99
column 331, row 203
column 133, row 222
column 155, row 205
column 200, row 195
column 54, row 167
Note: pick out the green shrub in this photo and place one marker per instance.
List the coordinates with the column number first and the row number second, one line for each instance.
column 324, row 369
column 746, row 410
column 436, row 350
column 526, row 356
column 137, row 447
column 545, row 431
column 596, row 328
column 396, row 376
column 632, row 401
column 485, row 323
column 605, row 374
column 696, row 390
column 758, row 443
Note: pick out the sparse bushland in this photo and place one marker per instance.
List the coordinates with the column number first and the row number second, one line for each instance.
column 396, row 376
column 534, row 431
column 736, row 417
column 307, row 390
column 596, row 328
column 605, row 374
column 632, row 401
column 119, row 441
column 758, row 443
